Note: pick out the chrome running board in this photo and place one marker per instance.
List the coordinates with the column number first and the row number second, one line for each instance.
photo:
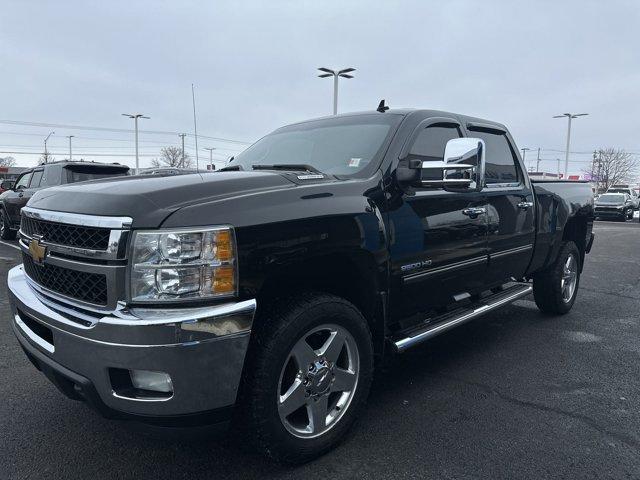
column 450, row 320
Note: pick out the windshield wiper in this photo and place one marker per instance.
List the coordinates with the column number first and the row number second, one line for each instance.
column 300, row 167
column 231, row 168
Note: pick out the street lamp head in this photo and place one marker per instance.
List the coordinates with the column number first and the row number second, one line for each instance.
column 327, row 70
column 344, row 75
column 325, row 75
column 347, row 70
column 579, row 115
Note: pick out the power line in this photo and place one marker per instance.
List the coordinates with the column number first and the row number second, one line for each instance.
column 119, row 130
column 229, row 148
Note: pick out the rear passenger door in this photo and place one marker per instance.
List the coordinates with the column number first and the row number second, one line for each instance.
column 510, row 206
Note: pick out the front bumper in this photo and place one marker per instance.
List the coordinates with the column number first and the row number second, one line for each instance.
column 609, row 213
column 202, row 349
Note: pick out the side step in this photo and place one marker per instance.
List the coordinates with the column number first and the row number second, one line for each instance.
column 438, row 325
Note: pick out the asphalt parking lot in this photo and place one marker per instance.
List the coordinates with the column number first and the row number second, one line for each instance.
column 512, row 395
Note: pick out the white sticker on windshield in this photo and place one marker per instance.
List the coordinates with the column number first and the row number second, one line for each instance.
column 354, row 162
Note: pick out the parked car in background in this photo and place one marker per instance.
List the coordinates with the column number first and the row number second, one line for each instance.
column 44, row 176
column 6, row 185
column 633, row 195
column 614, row 205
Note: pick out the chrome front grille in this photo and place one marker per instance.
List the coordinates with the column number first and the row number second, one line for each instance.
column 83, row 286
column 77, row 236
column 85, row 261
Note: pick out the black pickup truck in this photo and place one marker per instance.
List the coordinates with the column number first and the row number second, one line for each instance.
column 262, row 295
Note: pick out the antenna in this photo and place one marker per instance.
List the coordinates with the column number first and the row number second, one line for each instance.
column 195, row 127
column 382, row 107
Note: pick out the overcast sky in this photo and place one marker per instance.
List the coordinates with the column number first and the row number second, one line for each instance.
column 253, row 64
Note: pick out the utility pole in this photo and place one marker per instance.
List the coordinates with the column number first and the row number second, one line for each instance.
column 344, row 73
column 538, row 161
column 46, row 154
column 70, row 154
column 195, row 126
column 524, row 154
column 569, row 116
column 182, row 135
column 211, row 149
column 135, row 117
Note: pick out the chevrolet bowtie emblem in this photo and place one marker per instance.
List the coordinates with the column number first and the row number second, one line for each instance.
column 37, row 251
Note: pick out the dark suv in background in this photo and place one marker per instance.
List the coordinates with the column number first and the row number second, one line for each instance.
column 43, row 176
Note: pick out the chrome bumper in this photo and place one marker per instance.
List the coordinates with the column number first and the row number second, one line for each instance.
column 202, row 349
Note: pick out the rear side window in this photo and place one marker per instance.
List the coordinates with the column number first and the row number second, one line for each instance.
column 35, row 179
column 500, row 164
column 51, row 176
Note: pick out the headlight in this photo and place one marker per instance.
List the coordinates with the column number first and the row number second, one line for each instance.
column 170, row 265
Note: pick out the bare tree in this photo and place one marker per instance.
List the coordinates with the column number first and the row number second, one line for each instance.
column 172, row 157
column 46, row 157
column 7, row 161
column 612, row 166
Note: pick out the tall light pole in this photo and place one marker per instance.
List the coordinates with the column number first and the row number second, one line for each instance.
column 211, row 149
column 70, row 154
column 135, row 117
column 182, row 135
column 344, row 73
column 46, row 155
column 570, row 116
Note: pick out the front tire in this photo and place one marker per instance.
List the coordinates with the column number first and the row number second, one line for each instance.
column 307, row 376
column 555, row 288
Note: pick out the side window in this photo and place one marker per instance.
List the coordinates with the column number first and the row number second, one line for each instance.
column 500, row 164
column 23, row 181
column 51, row 176
column 430, row 142
column 35, row 179
column 429, row 146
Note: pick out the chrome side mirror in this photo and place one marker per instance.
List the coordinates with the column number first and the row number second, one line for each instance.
column 462, row 166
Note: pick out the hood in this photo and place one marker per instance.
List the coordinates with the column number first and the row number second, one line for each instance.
column 150, row 199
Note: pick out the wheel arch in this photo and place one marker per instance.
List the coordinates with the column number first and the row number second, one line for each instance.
column 575, row 231
column 354, row 276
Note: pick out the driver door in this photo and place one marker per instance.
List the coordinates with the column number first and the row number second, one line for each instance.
column 439, row 237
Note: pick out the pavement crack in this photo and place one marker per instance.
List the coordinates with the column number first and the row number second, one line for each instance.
column 628, row 440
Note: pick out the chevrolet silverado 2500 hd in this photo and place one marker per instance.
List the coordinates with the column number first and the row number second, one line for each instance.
column 263, row 293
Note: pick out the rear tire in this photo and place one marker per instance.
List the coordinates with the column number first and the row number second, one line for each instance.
column 5, row 231
column 555, row 288
column 307, row 376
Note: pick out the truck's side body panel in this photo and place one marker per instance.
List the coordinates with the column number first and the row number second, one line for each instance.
column 558, row 204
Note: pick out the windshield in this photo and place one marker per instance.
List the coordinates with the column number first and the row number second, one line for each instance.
column 611, row 199
column 342, row 146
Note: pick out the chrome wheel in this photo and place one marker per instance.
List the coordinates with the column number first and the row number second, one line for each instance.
column 318, row 381
column 569, row 278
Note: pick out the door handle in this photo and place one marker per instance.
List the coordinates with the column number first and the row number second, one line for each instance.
column 473, row 212
column 524, row 205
